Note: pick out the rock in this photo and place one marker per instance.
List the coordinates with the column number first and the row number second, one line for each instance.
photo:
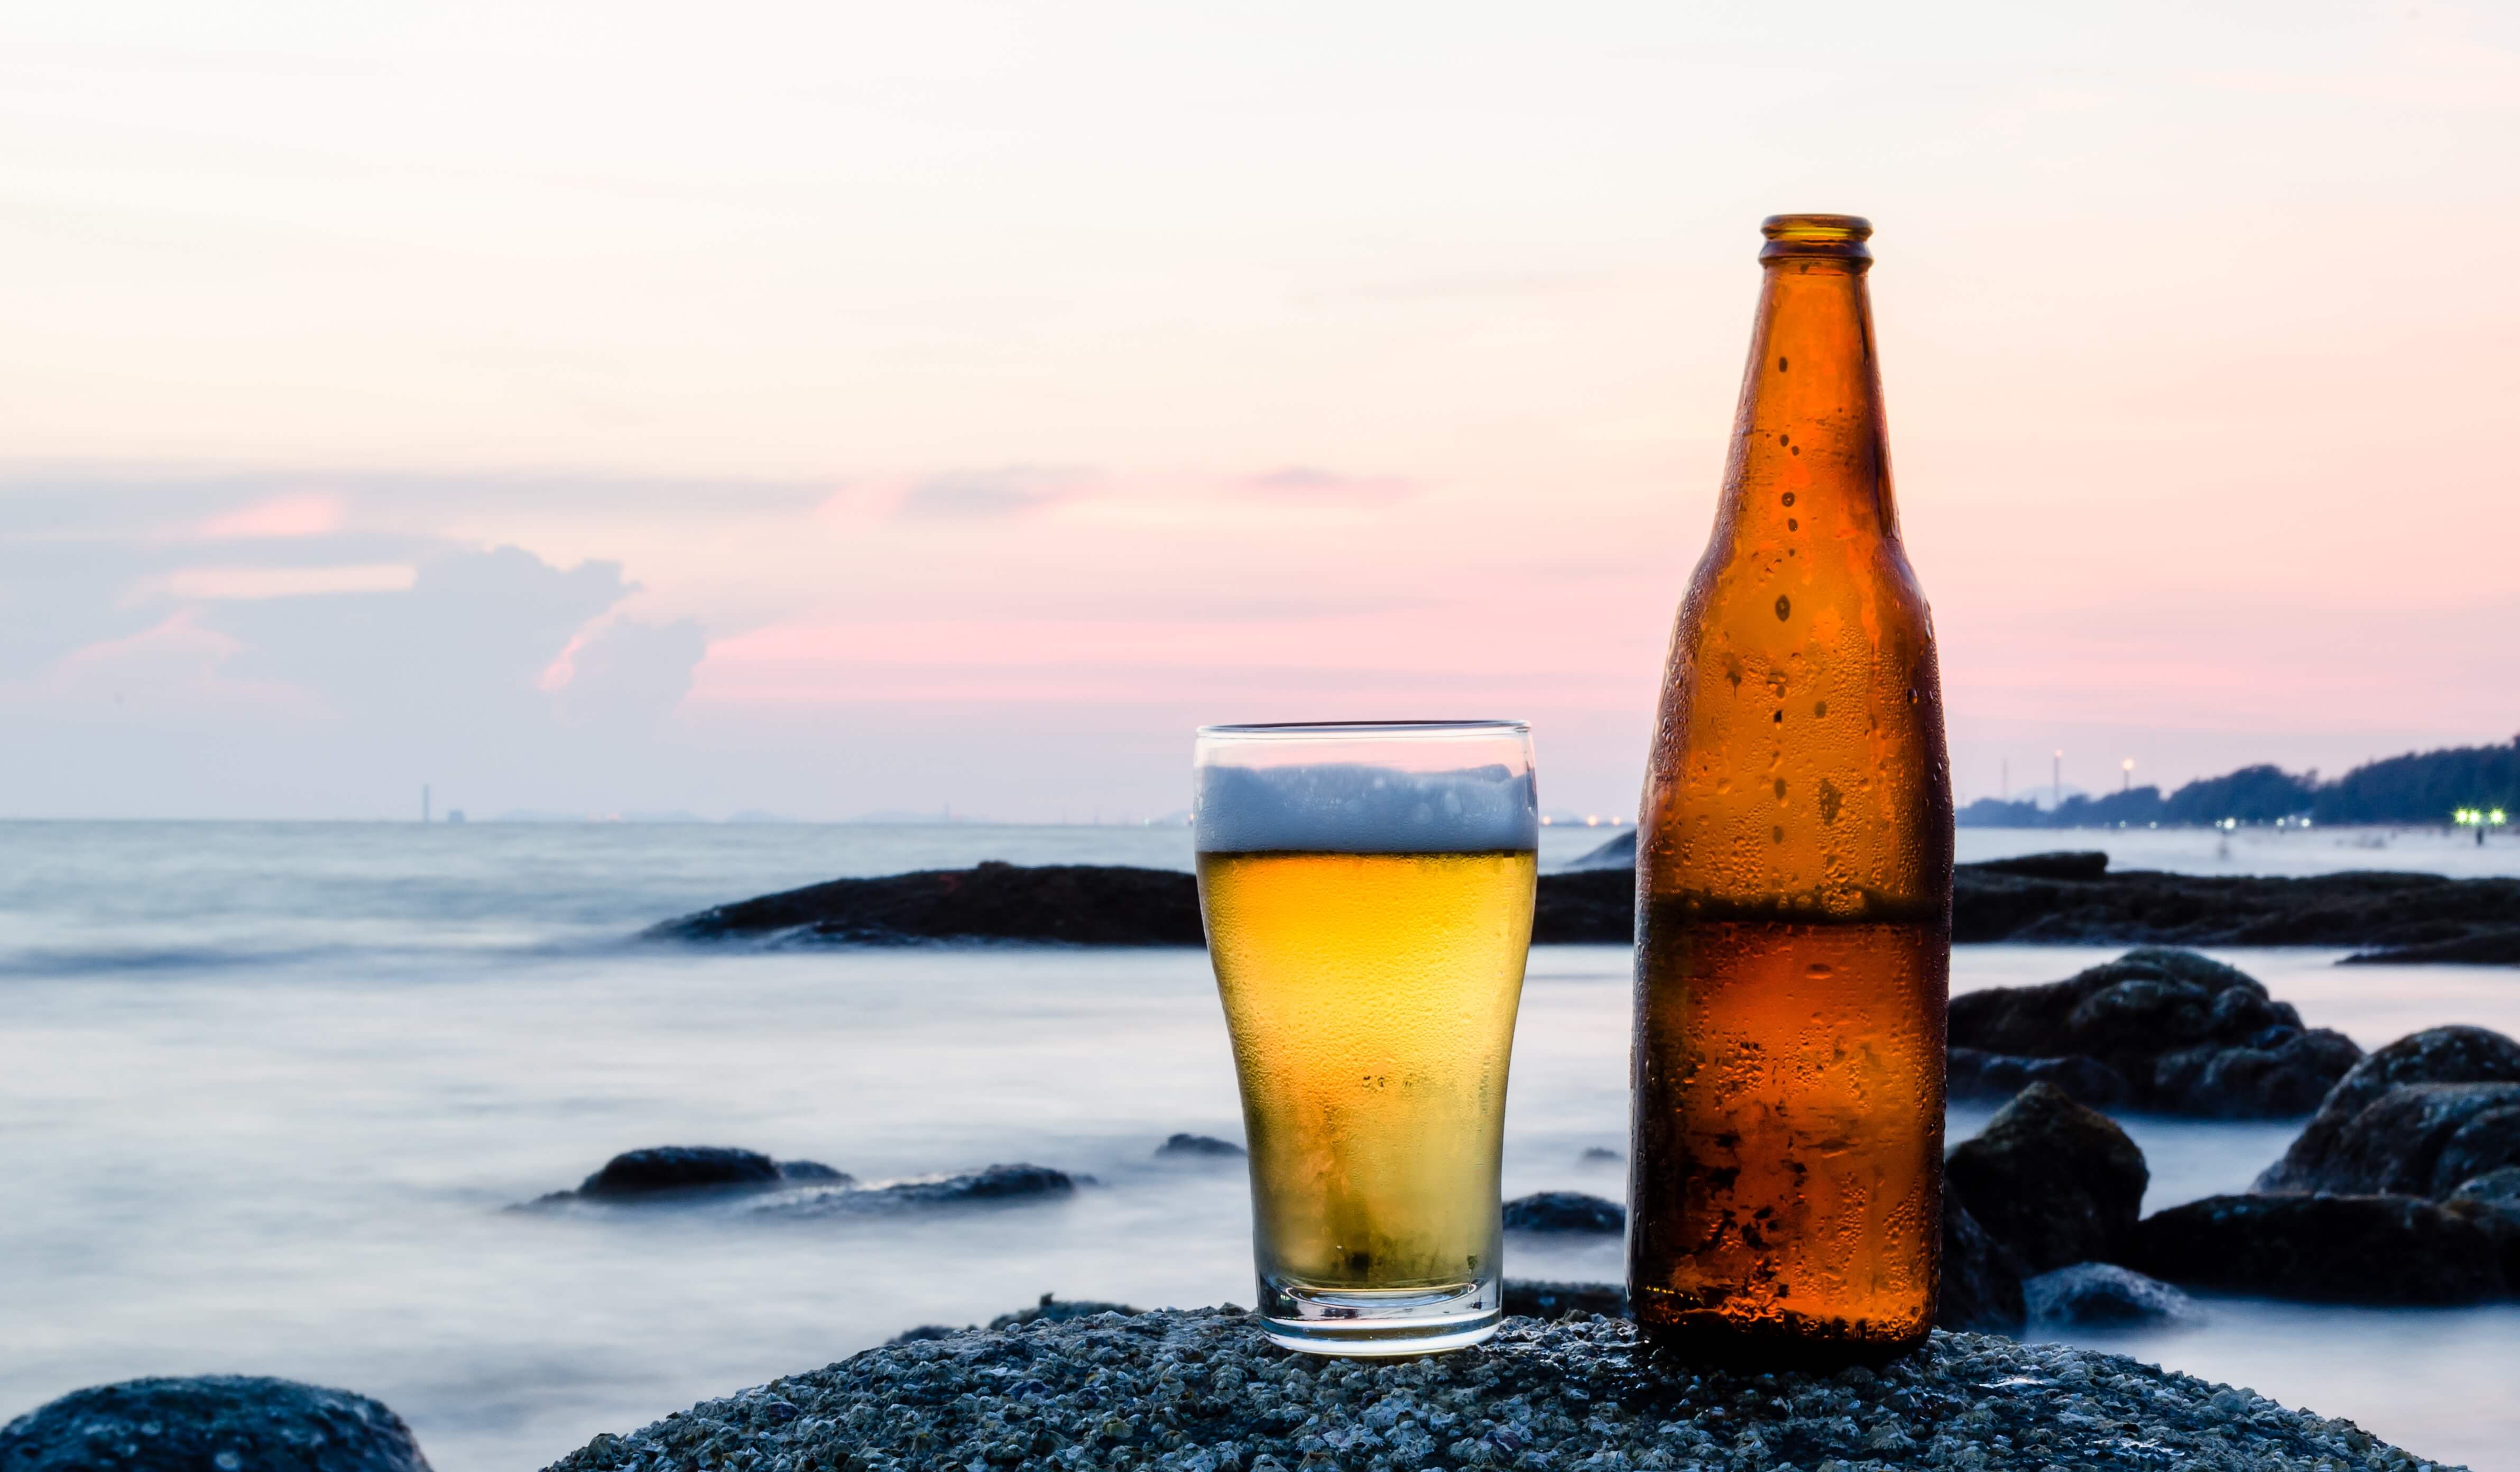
column 2350, row 1249
column 2085, row 863
column 1978, row 1075
column 1565, row 1212
column 1595, row 1154
column 814, row 1170
column 2499, row 1189
column 2479, row 946
column 2488, row 1144
column 1057, row 1313
column 1079, row 904
column 1531, row 1298
column 1203, row 1392
column 686, row 1172
column 1618, row 853
column 2053, row 1181
column 1981, row 1284
column 2436, row 1056
column 2105, row 1296
column 2156, row 1029
column 1198, row 1147
column 1014, row 1182
column 1092, row 905
column 210, row 1423
column 925, row 1332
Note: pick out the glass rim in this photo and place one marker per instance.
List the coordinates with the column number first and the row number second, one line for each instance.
column 1384, row 730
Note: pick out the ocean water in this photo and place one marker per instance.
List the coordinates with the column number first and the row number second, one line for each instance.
column 265, row 1090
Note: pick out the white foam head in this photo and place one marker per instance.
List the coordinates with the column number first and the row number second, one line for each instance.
column 1349, row 807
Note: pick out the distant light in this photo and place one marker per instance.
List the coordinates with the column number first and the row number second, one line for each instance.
column 1544, row 822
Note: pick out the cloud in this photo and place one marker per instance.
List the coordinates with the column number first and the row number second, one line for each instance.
column 1307, row 483
column 984, row 494
column 279, row 517
column 630, row 672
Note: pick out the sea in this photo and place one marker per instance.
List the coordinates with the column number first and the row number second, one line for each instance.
column 267, row 1091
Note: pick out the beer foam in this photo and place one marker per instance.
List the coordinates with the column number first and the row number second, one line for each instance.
column 1353, row 809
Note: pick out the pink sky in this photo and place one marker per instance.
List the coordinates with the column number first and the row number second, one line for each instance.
column 973, row 400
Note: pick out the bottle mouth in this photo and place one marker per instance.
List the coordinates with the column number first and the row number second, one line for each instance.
column 1816, row 237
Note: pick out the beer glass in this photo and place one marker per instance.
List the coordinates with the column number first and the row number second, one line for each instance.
column 1368, row 892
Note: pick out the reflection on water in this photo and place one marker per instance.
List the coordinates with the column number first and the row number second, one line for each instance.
column 280, row 1141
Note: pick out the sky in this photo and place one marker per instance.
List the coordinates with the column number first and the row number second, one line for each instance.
column 826, row 409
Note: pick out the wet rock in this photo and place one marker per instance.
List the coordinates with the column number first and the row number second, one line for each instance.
column 1565, row 1212
column 1057, row 1312
column 2105, row 1296
column 2350, row 1249
column 2489, row 1142
column 2054, row 1182
column 1078, row 904
column 2399, row 1144
column 1532, row 1298
column 1198, row 1147
column 2499, row 1189
column 2436, row 1056
column 926, row 1332
column 1203, row 1392
column 210, row 1423
column 1597, row 1155
column 2156, row 1029
column 682, row 1172
column 2082, row 864
column 1978, row 1075
column 996, row 1184
column 1981, row 1286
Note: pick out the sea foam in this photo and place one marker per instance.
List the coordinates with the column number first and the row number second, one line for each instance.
column 1353, row 809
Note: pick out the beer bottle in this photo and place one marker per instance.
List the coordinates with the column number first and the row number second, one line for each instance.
column 1794, row 875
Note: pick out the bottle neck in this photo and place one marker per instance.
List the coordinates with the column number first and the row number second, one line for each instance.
column 1811, row 455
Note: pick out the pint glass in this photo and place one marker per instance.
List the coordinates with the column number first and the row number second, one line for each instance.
column 1367, row 894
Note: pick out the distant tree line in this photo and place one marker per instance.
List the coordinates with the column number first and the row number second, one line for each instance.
column 2420, row 787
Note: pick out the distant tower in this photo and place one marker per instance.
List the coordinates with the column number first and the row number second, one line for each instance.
column 2127, row 782
column 424, row 802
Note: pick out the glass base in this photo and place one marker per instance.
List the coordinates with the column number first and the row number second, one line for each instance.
column 1361, row 1321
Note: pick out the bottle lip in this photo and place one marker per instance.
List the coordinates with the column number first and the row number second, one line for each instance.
column 1817, row 237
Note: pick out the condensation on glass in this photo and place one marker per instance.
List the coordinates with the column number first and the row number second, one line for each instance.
column 1793, row 874
column 1368, row 895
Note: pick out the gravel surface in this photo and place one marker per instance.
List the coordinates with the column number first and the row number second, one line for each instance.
column 1201, row 1390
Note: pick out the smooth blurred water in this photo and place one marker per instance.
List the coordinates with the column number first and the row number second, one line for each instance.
column 264, row 1089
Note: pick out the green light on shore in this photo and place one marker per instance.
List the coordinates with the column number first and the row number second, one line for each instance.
column 2480, row 817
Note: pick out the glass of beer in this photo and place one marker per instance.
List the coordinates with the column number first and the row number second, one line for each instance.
column 1368, row 892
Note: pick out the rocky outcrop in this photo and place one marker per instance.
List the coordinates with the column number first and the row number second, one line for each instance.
column 1198, row 1147
column 1981, row 1285
column 680, row 1174
column 2156, row 1029
column 996, row 1184
column 2041, row 897
column 2105, row 1296
column 1565, row 1212
column 2335, row 1151
column 1531, row 1298
column 1058, row 1311
column 1202, row 1390
column 2050, row 1179
column 2351, row 1248
column 210, row 1423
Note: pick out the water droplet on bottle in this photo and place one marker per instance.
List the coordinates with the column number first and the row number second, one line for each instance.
column 1792, row 526
column 1781, row 365
column 1789, row 498
column 1785, row 609
column 1819, row 707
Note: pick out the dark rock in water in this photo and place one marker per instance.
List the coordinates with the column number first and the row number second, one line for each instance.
column 679, row 1167
column 1080, row 904
column 2350, row 1249
column 1981, row 1278
column 2083, row 864
column 926, row 1332
column 2436, row 1056
column 1595, row 1154
column 2499, row 1189
column 2146, row 907
column 1196, row 1146
column 1203, row 1392
column 1565, row 1212
column 1057, row 1312
column 1979, row 1074
column 2486, row 1145
column 813, row 1171
column 1618, row 853
column 1531, row 1298
column 2105, row 1296
column 2053, row 1181
column 2155, row 1028
column 2478, row 947
column 1587, row 907
column 210, row 1423
column 1016, row 1182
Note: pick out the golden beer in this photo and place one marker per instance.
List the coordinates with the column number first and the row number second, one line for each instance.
column 1368, row 924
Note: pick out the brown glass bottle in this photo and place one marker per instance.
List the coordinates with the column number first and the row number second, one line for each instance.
column 1794, row 875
